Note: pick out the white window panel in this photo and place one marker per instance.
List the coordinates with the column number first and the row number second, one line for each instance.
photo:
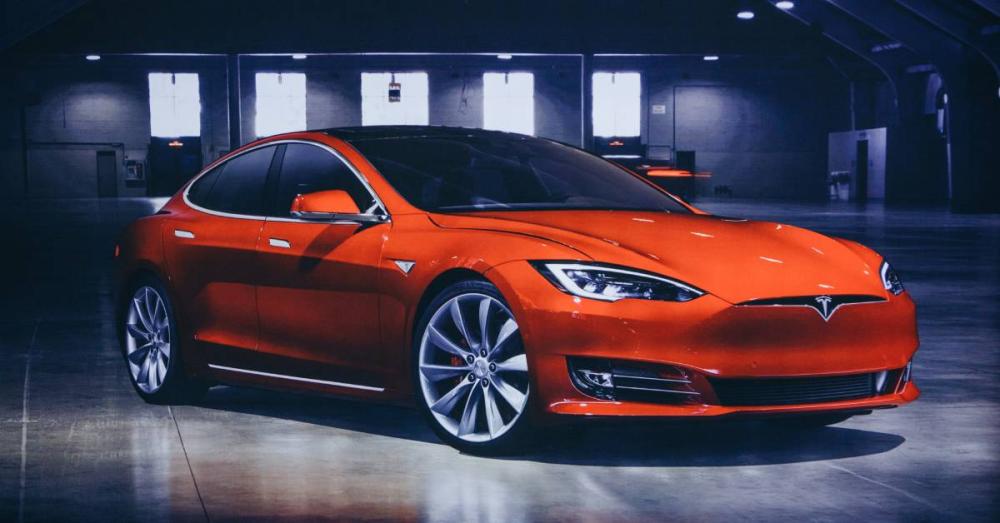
column 412, row 107
column 174, row 105
column 617, row 104
column 281, row 103
column 509, row 102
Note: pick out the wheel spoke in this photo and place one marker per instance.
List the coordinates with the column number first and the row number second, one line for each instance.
column 161, row 365
column 165, row 350
column 446, row 403
column 137, row 356
column 493, row 418
column 143, row 375
column 441, row 341
column 517, row 363
column 440, row 372
column 153, row 374
column 456, row 316
column 510, row 394
column 140, row 311
column 159, row 318
column 148, row 301
column 137, row 333
column 508, row 328
column 484, row 321
column 468, row 423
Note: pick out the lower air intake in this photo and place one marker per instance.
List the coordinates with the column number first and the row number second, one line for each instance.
column 794, row 391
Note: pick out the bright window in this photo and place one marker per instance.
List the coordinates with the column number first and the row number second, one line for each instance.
column 509, row 102
column 174, row 105
column 281, row 103
column 377, row 109
column 617, row 104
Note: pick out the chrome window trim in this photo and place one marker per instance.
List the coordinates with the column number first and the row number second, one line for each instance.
column 296, row 378
column 357, row 174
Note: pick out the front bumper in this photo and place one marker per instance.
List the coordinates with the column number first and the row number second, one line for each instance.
column 707, row 337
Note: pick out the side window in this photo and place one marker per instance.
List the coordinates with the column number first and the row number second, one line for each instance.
column 307, row 169
column 199, row 191
column 236, row 186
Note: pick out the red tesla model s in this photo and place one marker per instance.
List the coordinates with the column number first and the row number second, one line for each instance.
column 500, row 282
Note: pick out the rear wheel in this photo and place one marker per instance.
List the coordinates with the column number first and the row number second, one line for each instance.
column 471, row 370
column 152, row 350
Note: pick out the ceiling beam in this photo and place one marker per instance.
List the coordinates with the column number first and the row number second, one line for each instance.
column 958, row 27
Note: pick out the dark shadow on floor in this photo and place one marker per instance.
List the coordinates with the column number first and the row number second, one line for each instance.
column 628, row 444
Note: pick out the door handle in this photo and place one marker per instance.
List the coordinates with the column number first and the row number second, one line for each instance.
column 278, row 242
column 181, row 233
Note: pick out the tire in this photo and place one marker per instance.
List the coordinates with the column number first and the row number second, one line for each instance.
column 475, row 396
column 151, row 346
column 813, row 421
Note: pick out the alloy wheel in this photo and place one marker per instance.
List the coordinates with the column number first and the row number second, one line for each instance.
column 473, row 368
column 147, row 339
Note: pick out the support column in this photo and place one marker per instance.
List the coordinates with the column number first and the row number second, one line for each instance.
column 587, row 101
column 235, row 115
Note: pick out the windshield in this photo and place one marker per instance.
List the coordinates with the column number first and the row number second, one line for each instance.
column 507, row 172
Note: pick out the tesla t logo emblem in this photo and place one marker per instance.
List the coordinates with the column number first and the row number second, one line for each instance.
column 823, row 307
column 405, row 265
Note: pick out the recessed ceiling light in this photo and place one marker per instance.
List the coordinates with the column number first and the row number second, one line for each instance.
column 93, row 57
column 785, row 5
column 298, row 57
column 710, row 58
column 505, row 56
column 745, row 14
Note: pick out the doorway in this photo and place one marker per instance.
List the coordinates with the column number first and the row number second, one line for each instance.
column 861, row 171
column 107, row 174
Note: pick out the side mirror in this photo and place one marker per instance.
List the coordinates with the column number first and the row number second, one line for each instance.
column 331, row 206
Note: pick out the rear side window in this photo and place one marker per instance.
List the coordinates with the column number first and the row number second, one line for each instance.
column 307, row 169
column 236, row 186
column 200, row 189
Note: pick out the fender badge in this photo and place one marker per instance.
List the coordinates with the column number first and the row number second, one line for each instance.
column 405, row 265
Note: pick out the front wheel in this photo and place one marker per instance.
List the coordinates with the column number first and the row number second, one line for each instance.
column 152, row 350
column 471, row 370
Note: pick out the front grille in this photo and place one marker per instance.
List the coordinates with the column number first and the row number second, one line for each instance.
column 793, row 391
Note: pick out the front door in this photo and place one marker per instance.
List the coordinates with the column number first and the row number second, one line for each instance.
column 317, row 298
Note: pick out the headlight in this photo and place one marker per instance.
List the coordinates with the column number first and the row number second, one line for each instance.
column 890, row 280
column 607, row 283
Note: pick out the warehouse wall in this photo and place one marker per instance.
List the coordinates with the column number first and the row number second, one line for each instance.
column 760, row 127
column 333, row 91
column 72, row 110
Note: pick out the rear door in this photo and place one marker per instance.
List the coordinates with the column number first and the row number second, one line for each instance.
column 211, row 249
column 317, row 297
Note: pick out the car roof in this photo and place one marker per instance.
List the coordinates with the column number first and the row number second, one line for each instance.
column 381, row 132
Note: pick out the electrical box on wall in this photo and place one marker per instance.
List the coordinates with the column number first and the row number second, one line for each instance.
column 135, row 173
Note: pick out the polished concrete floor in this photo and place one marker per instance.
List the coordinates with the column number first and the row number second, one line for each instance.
column 77, row 443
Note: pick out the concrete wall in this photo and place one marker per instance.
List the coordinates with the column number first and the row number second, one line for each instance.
column 760, row 126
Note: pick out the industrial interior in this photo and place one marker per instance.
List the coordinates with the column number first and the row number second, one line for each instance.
column 875, row 121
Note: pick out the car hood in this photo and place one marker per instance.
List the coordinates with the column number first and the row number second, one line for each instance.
column 734, row 259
